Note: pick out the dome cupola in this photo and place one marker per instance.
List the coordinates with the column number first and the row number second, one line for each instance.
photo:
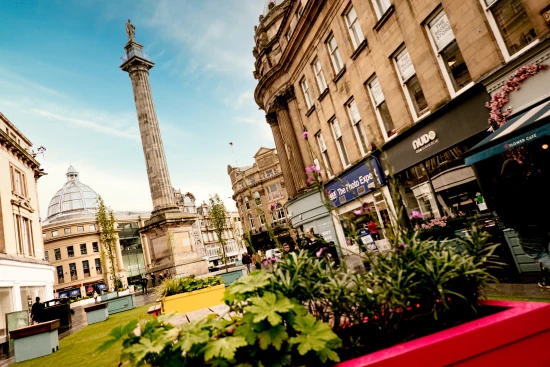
column 74, row 199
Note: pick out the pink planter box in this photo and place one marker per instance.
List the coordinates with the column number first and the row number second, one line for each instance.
column 518, row 336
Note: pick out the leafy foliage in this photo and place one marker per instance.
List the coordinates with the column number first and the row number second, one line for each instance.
column 308, row 311
column 274, row 331
column 170, row 287
column 108, row 237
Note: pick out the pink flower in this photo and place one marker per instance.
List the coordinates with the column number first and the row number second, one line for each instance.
column 319, row 253
column 404, row 245
column 416, row 214
column 314, row 168
column 418, row 305
column 358, row 211
column 305, row 134
column 309, row 170
column 309, row 180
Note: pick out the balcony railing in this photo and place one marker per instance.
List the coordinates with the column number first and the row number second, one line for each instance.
column 135, row 52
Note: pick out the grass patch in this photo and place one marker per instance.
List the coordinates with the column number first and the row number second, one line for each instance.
column 79, row 349
column 512, row 298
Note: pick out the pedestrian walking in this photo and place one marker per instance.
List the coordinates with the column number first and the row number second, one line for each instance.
column 288, row 249
column 257, row 260
column 37, row 311
column 246, row 261
column 161, row 278
column 95, row 296
column 153, row 279
column 373, row 229
column 144, row 282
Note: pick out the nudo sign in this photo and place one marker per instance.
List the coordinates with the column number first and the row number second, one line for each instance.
column 424, row 141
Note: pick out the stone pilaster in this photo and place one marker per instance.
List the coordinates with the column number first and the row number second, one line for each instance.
column 289, row 136
column 157, row 169
column 283, row 157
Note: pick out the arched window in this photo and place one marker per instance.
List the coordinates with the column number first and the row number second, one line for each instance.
column 251, row 220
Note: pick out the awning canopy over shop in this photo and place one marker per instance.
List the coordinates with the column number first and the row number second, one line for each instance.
column 460, row 119
column 520, row 130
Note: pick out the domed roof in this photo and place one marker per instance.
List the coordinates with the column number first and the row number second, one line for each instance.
column 73, row 198
column 267, row 2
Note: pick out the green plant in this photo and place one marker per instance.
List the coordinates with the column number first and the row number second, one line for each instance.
column 170, row 287
column 269, row 330
column 218, row 217
column 108, row 237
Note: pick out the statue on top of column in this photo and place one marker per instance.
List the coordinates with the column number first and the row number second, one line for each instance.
column 130, row 31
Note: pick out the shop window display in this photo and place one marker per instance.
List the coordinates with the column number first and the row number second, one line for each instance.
column 441, row 186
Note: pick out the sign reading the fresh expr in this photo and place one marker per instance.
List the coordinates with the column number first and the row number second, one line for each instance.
column 357, row 182
column 424, row 141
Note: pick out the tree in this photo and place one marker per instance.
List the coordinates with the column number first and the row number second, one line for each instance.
column 108, row 237
column 218, row 217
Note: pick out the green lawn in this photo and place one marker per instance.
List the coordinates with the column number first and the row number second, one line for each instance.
column 79, row 349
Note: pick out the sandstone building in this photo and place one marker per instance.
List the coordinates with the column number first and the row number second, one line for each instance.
column 410, row 78
column 261, row 194
column 24, row 273
column 72, row 242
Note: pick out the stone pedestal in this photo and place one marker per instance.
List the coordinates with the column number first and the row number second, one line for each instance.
column 170, row 236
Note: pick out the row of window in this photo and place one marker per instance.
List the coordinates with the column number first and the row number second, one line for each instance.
column 277, row 216
column 79, row 229
column 73, row 275
column 274, row 192
column 70, row 251
column 215, row 250
column 264, row 175
column 212, row 236
column 449, row 56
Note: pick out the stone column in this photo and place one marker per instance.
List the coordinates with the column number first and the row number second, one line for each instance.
column 145, row 247
column 289, row 136
column 298, row 125
column 157, row 168
column 283, row 158
column 118, row 256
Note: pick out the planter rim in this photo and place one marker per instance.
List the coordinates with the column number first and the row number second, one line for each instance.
column 473, row 337
column 188, row 294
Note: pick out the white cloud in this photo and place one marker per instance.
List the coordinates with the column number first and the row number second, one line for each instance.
column 91, row 125
column 209, row 34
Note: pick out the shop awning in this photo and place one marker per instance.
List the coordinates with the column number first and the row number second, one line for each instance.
column 522, row 129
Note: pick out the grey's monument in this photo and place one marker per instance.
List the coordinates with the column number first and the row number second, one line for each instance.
column 169, row 232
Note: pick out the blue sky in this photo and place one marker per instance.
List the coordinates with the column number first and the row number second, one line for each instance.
column 61, row 85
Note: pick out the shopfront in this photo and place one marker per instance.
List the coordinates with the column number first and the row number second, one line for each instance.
column 131, row 248
column 521, row 146
column 428, row 159
column 309, row 211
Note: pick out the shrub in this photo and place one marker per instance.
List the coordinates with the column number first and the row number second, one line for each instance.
column 307, row 311
column 170, row 287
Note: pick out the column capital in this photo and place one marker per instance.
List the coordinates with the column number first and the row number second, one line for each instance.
column 280, row 102
column 271, row 119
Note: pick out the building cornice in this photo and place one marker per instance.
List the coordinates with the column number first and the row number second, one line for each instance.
column 11, row 146
column 306, row 22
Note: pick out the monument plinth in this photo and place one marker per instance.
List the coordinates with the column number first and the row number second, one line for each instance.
column 169, row 231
